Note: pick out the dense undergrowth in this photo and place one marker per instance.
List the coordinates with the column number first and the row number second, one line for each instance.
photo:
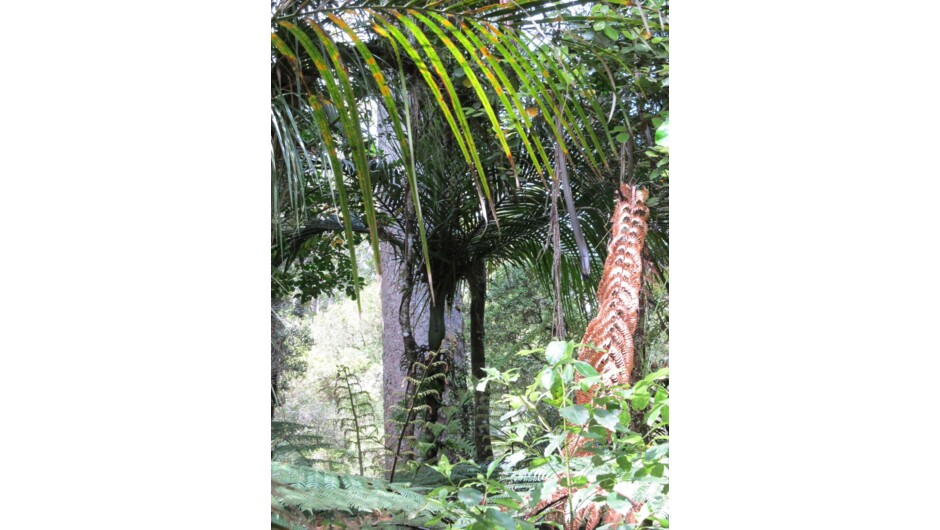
column 603, row 462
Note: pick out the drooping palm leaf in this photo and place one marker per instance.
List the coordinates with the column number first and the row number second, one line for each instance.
column 501, row 50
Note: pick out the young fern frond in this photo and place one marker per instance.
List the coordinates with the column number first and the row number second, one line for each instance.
column 359, row 427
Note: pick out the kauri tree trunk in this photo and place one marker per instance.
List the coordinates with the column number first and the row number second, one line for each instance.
column 406, row 305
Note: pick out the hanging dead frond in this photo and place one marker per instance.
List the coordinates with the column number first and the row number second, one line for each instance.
column 611, row 332
column 618, row 295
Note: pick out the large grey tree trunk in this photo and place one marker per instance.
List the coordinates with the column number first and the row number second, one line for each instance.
column 393, row 347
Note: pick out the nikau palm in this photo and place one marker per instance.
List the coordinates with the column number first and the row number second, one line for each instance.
column 513, row 114
column 329, row 59
column 461, row 242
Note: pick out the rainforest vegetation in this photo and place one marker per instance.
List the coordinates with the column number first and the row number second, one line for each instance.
column 470, row 264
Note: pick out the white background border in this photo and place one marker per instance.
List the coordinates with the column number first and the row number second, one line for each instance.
column 134, row 213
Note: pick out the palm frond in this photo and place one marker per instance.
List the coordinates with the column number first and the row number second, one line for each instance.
column 501, row 51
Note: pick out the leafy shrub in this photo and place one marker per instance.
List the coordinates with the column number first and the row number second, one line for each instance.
column 563, row 460
column 586, row 463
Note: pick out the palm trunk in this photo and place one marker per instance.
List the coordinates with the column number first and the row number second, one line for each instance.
column 434, row 400
column 481, row 400
column 436, row 327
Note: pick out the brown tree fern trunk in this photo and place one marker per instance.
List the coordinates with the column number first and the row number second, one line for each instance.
column 612, row 330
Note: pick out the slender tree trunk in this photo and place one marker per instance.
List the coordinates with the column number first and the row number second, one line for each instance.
column 273, row 392
column 277, row 354
column 481, row 400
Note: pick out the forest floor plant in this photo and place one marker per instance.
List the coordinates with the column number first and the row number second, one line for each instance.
column 551, row 444
column 589, row 450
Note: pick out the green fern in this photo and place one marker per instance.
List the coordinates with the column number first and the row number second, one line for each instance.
column 358, row 419
column 427, row 477
column 529, row 476
column 299, row 494
column 298, row 444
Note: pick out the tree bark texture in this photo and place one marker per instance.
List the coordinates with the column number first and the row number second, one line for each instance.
column 481, row 400
column 395, row 361
column 277, row 354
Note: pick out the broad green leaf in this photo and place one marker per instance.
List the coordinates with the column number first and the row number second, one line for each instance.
column 656, row 452
column 624, row 462
column 538, row 462
column 567, row 373
column 574, row 482
column 444, row 466
column 500, row 519
column 470, row 496
column 619, row 503
column 653, row 414
column 595, row 432
column 493, row 465
column 585, row 369
column 589, row 382
column 662, row 134
column 576, row 414
column 632, row 438
column 511, row 504
column 661, row 395
column 548, row 378
column 607, row 418
column 555, row 351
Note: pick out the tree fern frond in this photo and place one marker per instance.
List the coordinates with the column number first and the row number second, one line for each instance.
column 313, row 491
